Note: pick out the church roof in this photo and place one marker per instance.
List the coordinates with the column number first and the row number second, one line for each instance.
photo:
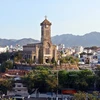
column 45, row 22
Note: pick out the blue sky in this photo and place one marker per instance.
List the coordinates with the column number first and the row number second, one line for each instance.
column 22, row 18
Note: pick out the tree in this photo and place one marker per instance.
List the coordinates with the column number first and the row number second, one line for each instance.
column 29, row 61
column 51, row 81
column 97, row 78
column 28, row 80
column 42, row 78
column 4, row 57
column 45, row 79
column 5, row 85
column 6, row 65
column 79, row 80
column 18, row 56
column 86, row 77
column 94, row 48
column 69, row 59
column 84, row 96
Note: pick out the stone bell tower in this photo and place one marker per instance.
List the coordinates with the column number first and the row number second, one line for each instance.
column 46, row 41
column 45, row 31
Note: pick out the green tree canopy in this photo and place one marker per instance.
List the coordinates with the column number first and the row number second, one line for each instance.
column 5, row 85
column 6, row 65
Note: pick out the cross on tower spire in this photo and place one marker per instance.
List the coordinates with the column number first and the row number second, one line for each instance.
column 45, row 17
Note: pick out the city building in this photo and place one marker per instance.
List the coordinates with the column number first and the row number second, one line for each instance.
column 61, row 47
column 44, row 51
column 3, row 49
column 19, row 88
column 78, row 49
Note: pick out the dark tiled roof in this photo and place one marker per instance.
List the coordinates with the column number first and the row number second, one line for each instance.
column 45, row 22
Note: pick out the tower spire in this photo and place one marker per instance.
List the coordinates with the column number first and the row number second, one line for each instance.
column 45, row 17
column 45, row 22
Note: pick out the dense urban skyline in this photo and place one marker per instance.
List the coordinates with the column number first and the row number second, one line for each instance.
column 21, row 18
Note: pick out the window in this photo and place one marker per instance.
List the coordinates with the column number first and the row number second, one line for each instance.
column 18, row 90
column 18, row 85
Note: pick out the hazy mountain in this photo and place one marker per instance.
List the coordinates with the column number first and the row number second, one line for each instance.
column 14, row 42
column 89, row 39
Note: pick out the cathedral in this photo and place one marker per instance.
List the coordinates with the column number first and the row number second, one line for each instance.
column 43, row 52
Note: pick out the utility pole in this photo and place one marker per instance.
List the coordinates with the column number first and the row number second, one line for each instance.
column 57, row 86
column 86, row 96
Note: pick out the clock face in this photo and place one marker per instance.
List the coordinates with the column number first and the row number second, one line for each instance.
column 47, row 26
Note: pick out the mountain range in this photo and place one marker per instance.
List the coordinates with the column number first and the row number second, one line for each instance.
column 87, row 40
column 14, row 42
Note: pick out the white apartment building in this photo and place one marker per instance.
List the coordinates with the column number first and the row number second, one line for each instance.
column 78, row 49
column 18, row 89
column 87, row 51
column 3, row 49
column 61, row 47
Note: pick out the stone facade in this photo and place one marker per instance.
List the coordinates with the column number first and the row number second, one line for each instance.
column 44, row 51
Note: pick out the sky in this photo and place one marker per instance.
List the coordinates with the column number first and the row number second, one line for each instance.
column 21, row 18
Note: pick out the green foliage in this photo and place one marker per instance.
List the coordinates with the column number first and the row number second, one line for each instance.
column 5, row 85
column 84, row 96
column 41, row 68
column 69, row 59
column 80, row 80
column 46, row 79
column 97, row 77
column 28, row 80
column 4, row 57
column 41, row 78
column 6, row 65
column 63, row 78
column 29, row 61
column 18, row 56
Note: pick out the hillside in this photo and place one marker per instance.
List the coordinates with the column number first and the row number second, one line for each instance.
column 89, row 39
column 14, row 42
